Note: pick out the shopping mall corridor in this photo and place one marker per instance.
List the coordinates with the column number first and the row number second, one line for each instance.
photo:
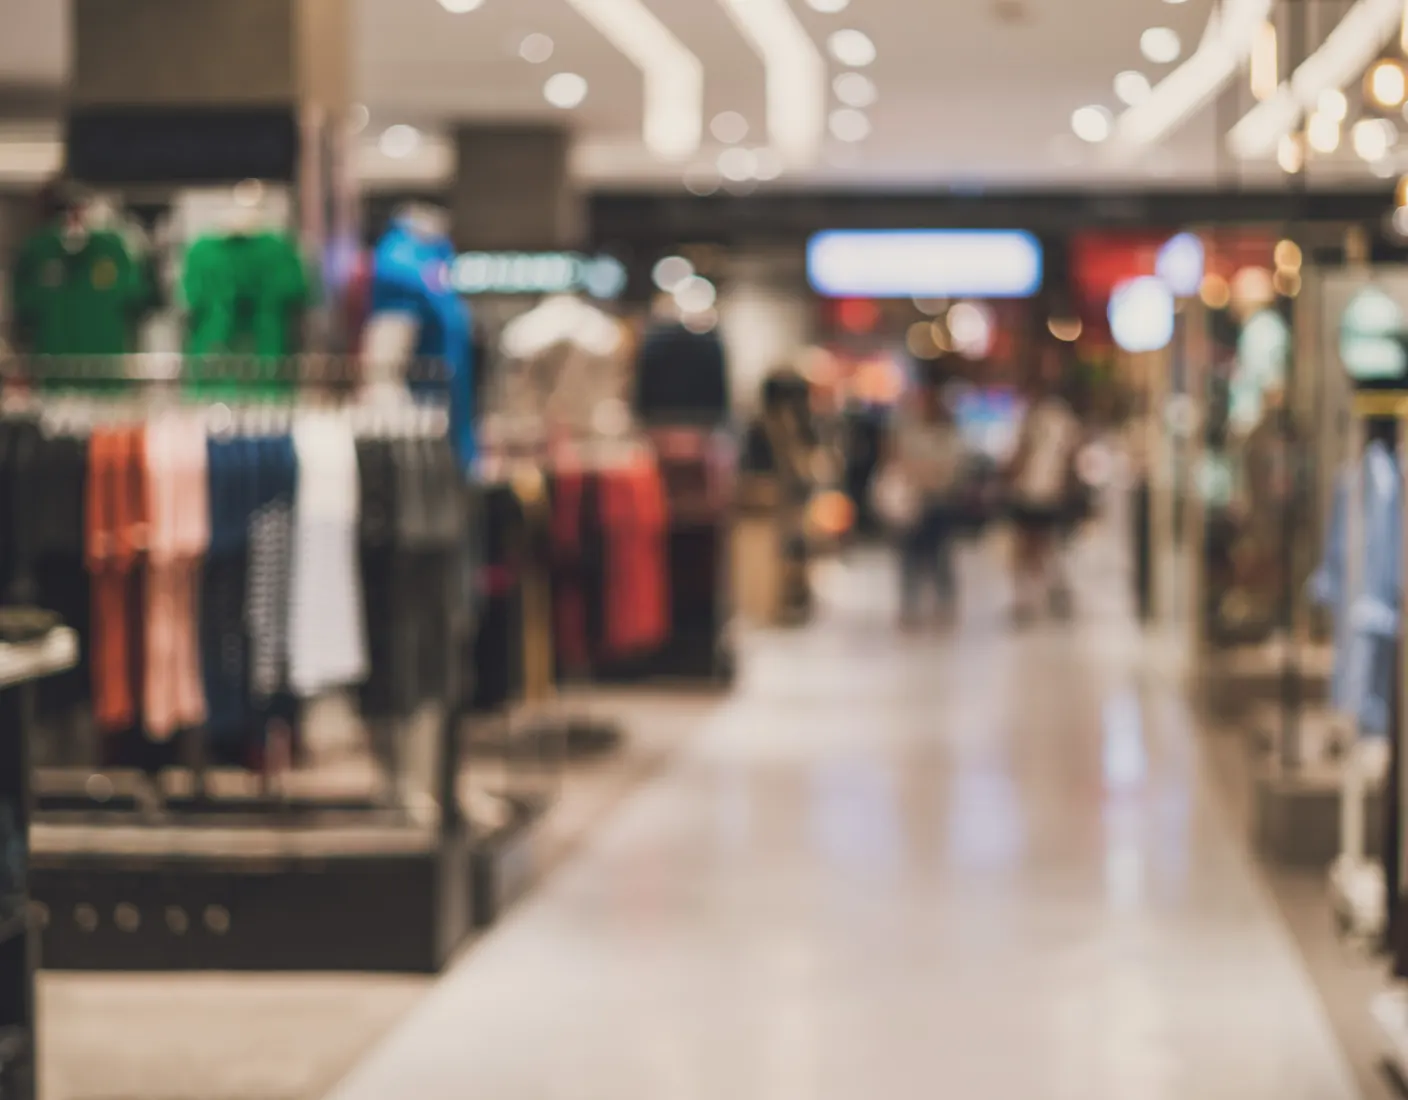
column 976, row 864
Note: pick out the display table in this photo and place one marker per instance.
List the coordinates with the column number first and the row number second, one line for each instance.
column 20, row 665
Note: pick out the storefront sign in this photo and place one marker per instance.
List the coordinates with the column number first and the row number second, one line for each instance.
column 601, row 277
column 925, row 263
column 1369, row 337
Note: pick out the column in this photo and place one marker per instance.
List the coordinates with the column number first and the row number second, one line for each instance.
column 512, row 190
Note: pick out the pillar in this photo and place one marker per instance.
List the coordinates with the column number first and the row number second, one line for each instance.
column 512, row 190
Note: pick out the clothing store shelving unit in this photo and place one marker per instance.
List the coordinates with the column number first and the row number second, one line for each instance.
column 143, row 876
column 20, row 918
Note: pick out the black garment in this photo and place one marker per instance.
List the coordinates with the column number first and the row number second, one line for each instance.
column 681, row 378
column 494, row 656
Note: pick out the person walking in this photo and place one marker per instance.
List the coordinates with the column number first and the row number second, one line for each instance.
column 929, row 455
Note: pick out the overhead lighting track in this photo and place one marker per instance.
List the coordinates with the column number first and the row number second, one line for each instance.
column 1347, row 51
column 674, row 76
column 1227, row 42
column 795, row 74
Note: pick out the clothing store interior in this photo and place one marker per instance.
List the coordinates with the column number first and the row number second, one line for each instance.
column 665, row 550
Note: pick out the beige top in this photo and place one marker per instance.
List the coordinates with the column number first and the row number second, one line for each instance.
column 931, row 453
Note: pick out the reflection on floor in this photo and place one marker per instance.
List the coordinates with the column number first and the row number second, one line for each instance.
column 971, row 864
column 291, row 1037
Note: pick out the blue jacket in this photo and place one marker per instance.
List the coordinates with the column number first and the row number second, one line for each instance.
column 1366, row 620
column 410, row 275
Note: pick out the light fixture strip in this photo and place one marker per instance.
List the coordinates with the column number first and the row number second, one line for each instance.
column 1228, row 40
column 795, row 76
column 674, row 76
column 1265, row 67
column 1346, row 52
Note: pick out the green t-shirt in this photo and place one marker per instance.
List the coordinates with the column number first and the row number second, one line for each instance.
column 243, row 292
column 77, row 296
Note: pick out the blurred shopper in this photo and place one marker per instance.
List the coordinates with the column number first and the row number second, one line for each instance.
column 1043, row 489
column 927, row 453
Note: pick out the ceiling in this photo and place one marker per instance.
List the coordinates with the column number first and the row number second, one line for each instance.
column 971, row 92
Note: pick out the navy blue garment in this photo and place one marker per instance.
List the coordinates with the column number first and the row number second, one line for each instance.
column 411, row 275
column 224, row 643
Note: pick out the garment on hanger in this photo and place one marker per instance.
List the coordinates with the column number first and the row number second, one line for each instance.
column 178, row 535
column 411, row 275
column 77, row 292
column 1368, row 619
column 681, row 377
column 327, row 632
column 244, row 291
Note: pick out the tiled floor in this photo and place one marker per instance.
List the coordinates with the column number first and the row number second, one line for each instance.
column 977, row 864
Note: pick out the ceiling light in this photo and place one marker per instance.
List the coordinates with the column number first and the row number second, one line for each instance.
column 1160, row 45
column 535, row 48
column 1334, row 103
column 1217, row 61
column 1386, row 83
column 1065, row 329
column 565, row 90
column 795, row 76
column 767, row 165
column 737, row 164
column 1215, row 292
column 1288, row 255
column 855, row 89
column 399, row 141
column 674, row 76
column 671, row 272
column 848, row 124
column 1373, row 138
column 695, row 295
column 1322, row 133
column 828, row 7
column 729, row 127
column 1347, row 51
column 1091, row 124
column 1290, row 157
column 852, row 47
column 461, row 7
column 1266, row 61
column 1132, row 87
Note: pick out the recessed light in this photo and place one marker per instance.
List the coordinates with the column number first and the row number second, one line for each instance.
column 1132, row 87
column 671, row 272
column 461, row 7
column 1161, row 45
column 399, row 141
column 729, row 127
column 1323, row 133
column 828, row 7
column 849, row 125
column 535, row 48
column 1091, row 124
column 565, row 90
column 1373, row 138
column 695, row 295
column 767, row 165
column 737, row 164
column 1387, row 83
column 852, row 47
column 855, row 89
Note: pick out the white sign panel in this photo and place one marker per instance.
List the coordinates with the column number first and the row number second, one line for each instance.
column 925, row 263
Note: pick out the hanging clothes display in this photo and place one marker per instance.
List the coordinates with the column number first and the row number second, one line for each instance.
column 681, row 377
column 1367, row 613
column 77, row 291
column 411, row 276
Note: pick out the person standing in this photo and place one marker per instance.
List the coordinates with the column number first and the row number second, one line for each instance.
column 929, row 454
column 1041, row 477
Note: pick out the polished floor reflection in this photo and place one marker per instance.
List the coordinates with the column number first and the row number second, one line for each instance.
column 979, row 864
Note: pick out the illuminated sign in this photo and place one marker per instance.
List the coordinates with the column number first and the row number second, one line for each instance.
column 1369, row 337
column 602, row 277
column 925, row 263
column 1141, row 314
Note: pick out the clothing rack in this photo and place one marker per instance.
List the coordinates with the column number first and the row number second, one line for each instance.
column 198, row 865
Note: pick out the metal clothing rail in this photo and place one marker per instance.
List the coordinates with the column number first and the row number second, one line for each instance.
column 310, row 369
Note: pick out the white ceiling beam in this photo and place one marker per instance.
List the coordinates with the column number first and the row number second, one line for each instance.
column 674, row 76
column 795, row 77
column 1347, row 51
